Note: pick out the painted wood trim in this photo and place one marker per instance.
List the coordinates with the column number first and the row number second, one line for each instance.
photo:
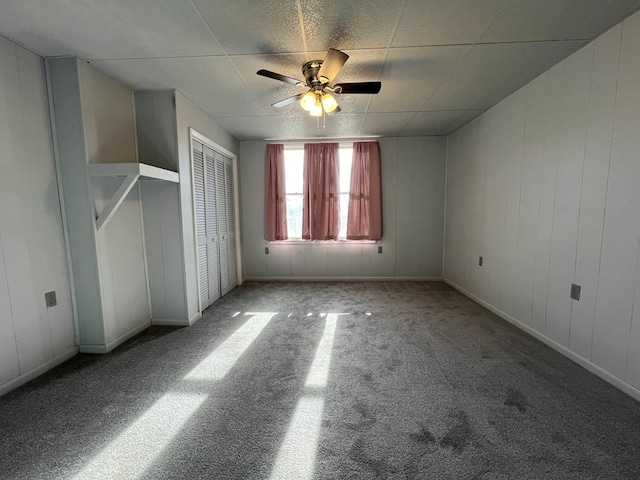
column 342, row 279
column 115, row 343
column 117, row 199
column 170, row 322
column 126, row 169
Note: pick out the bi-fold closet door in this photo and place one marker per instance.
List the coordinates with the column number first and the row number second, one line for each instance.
column 215, row 222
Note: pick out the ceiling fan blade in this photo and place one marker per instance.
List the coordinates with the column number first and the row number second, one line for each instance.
column 332, row 63
column 358, row 87
column 288, row 101
column 277, row 76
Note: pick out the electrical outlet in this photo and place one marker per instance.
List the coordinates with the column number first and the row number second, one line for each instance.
column 480, row 261
column 379, row 248
column 50, row 299
column 575, row 291
column 266, row 250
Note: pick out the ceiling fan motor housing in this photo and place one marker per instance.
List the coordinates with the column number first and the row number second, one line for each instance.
column 310, row 72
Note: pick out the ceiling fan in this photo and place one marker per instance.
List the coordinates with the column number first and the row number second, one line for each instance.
column 318, row 74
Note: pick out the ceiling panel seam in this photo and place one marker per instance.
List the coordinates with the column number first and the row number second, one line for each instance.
column 384, row 60
column 228, row 58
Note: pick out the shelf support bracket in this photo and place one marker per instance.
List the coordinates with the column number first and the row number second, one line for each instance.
column 117, row 199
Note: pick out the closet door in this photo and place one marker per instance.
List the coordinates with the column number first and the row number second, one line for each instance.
column 200, row 205
column 231, row 222
column 215, row 219
column 223, row 223
column 212, row 226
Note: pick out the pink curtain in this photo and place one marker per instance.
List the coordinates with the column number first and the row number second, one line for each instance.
column 275, row 213
column 364, row 221
column 321, row 191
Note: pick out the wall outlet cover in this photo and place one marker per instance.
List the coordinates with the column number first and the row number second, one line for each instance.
column 379, row 248
column 575, row 291
column 266, row 250
column 50, row 299
column 480, row 261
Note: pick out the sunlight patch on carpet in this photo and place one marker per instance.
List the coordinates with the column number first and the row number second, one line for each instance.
column 297, row 455
column 135, row 449
column 216, row 366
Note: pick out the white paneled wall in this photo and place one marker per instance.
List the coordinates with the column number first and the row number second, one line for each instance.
column 412, row 218
column 33, row 338
column 109, row 131
column 546, row 187
column 189, row 115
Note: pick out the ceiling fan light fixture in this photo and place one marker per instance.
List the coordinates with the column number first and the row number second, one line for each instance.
column 316, row 110
column 308, row 101
column 329, row 103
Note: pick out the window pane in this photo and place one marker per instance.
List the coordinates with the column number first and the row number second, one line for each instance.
column 293, row 170
column 346, row 157
column 344, row 209
column 294, row 215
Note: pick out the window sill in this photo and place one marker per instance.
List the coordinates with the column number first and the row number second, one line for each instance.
column 299, row 241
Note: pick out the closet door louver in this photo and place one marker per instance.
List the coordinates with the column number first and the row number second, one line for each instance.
column 212, row 226
column 199, row 194
column 231, row 222
column 223, row 224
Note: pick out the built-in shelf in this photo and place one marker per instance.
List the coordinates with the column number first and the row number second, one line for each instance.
column 132, row 172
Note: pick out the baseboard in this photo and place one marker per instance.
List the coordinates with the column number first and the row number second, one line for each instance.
column 583, row 362
column 170, row 322
column 36, row 372
column 195, row 318
column 342, row 279
column 90, row 348
column 101, row 349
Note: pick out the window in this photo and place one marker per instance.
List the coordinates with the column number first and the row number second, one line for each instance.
column 293, row 167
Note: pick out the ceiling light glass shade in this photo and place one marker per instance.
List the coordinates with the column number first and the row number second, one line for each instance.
column 308, row 101
column 329, row 103
column 316, row 110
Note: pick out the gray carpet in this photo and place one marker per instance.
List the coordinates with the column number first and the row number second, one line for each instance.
column 422, row 383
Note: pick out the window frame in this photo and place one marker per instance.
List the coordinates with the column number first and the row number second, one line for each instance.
column 301, row 241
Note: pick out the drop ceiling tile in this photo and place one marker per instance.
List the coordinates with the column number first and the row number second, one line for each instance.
column 213, row 84
column 67, row 27
column 445, row 22
column 496, row 68
column 137, row 74
column 612, row 12
column 162, row 29
column 385, row 124
column 465, row 117
column 305, row 126
column 247, row 26
column 430, row 123
column 524, row 20
column 249, row 128
column 354, row 24
column 538, row 58
column 410, row 75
